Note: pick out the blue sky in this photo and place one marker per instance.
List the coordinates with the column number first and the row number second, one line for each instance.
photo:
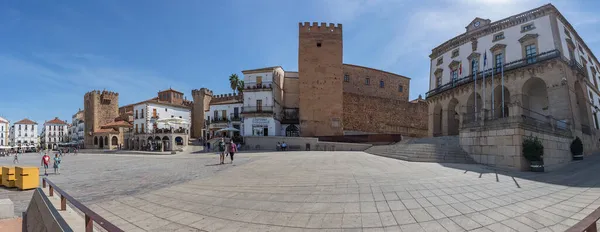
column 53, row 52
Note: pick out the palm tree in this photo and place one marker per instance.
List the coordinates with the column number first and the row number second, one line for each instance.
column 240, row 86
column 234, row 81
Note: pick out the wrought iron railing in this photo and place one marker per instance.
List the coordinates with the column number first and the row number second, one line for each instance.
column 496, row 70
column 257, row 109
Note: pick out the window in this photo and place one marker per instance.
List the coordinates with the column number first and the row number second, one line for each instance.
column 259, row 80
column 499, row 36
column 19, row 127
column 259, row 105
column 381, row 84
column 596, row 121
column 474, row 67
column 142, row 114
column 440, row 60
column 567, row 33
column 136, row 128
column 527, row 27
column 346, row 78
column 400, row 88
column 499, row 58
column 438, row 81
column 154, row 113
column 454, row 75
column 367, row 81
column 455, row 53
column 165, row 109
column 136, row 114
column 224, row 114
column 319, row 44
column 530, row 53
column 25, row 127
column 216, row 114
column 579, row 47
column 142, row 126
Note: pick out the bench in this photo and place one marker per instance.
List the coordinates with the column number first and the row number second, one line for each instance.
column 294, row 148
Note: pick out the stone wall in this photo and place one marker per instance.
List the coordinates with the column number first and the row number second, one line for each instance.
column 291, row 93
column 202, row 98
column 270, row 143
column 100, row 107
column 503, row 147
column 41, row 215
column 386, row 116
column 356, row 83
column 320, row 70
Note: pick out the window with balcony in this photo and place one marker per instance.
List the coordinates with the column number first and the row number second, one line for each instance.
column 136, row 114
column 438, row 81
column 474, row 67
column 259, row 80
column 381, row 84
column 136, row 128
column 454, row 75
column 142, row 114
column 142, row 128
column 236, row 112
column 346, row 78
column 499, row 59
column 216, row 114
column 531, row 53
column 224, row 112
column 259, row 105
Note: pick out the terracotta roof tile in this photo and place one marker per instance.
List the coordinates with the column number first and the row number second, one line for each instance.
column 26, row 121
column 116, row 124
column 106, row 130
column 56, row 121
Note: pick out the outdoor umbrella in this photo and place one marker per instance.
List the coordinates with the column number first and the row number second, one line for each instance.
column 228, row 129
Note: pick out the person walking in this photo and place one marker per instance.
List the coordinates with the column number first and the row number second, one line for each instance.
column 16, row 159
column 46, row 163
column 56, row 164
column 222, row 150
column 232, row 150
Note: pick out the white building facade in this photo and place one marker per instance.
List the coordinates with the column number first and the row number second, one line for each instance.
column 54, row 132
column 4, row 131
column 145, row 115
column 545, row 83
column 77, row 128
column 263, row 101
column 24, row 134
column 224, row 114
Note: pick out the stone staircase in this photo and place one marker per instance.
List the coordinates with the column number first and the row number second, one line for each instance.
column 444, row 149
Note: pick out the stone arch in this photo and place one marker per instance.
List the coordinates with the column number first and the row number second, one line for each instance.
column 115, row 141
column 582, row 105
column 535, row 99
column 179, row 140
column 101, row 143
column 166, row 145
column 95, row 140
column 292, row 131
column 453, row 123
column 437, row 120
column 474, row 106
column 498, row 102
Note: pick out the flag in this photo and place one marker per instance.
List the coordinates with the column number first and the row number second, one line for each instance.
column 460, row 69
column 484, row 59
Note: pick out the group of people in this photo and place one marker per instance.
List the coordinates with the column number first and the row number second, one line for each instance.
column 226, row 149
column 281, row 146
column 46, row 163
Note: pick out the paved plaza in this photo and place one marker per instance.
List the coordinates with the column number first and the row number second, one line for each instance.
column 325, row 191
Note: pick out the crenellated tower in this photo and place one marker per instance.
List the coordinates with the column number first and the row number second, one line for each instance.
column 201, row 104
column 320, row 70
column 100, row 107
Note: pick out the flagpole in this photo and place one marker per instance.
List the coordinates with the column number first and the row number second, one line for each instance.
column 493, row 110
column 502, row 70
column 475, row 95
column 483, row 82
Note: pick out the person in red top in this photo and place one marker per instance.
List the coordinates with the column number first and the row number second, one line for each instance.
column 45, row 163
column 232, row 150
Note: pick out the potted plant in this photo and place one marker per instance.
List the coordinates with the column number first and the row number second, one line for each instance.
column 533, row 151
column 577, row 149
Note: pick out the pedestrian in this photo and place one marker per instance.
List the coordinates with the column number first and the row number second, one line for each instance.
column 16, row 159
column 232, row 150
column 46, row 163
column 222, row 151
column 56, row 164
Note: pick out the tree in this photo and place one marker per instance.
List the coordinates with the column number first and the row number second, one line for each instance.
column 234, row 81
column 240, row 86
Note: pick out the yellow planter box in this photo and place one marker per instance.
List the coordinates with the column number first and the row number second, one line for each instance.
column 8, row 177
column 27, row 177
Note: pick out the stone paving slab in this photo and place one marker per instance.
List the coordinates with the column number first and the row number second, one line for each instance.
column 332, row 191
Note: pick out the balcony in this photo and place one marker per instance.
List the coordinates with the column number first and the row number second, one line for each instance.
column 258, row 87
column 257, row 109
column 497, row 71
column 290, row 116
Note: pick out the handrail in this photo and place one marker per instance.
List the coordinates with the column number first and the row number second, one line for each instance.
column 588, row 224
column 90, row 216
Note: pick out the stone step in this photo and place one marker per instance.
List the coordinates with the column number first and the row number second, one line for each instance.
column 438, row 149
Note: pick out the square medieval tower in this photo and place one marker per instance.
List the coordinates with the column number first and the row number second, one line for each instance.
column 320, row 72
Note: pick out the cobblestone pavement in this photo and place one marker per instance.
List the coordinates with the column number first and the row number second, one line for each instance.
column 334, row 191
column 92, row 178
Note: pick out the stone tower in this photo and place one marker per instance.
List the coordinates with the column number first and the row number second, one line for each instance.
column 201, row 104
column 100, row 107
column 320, row 72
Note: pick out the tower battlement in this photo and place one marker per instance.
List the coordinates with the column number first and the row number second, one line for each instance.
column 201, row 92
column 307, row 27
column 103, row 93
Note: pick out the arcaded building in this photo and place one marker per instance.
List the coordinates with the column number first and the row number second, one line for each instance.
column 326, row 97
column 545, row 84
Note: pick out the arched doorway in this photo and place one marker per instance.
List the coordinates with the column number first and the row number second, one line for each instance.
column 179, row 141
column 437, row 120
column 498, row 102
column 115, row 141
column 582, row 105
column 165, row 141
column 106, row 140
column 474, row 106
column 101, row 143
column 292, row 131
column 535, row 99
column 453, row 117
column 95, row 140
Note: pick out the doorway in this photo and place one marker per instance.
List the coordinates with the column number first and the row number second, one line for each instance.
column 265, row 131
